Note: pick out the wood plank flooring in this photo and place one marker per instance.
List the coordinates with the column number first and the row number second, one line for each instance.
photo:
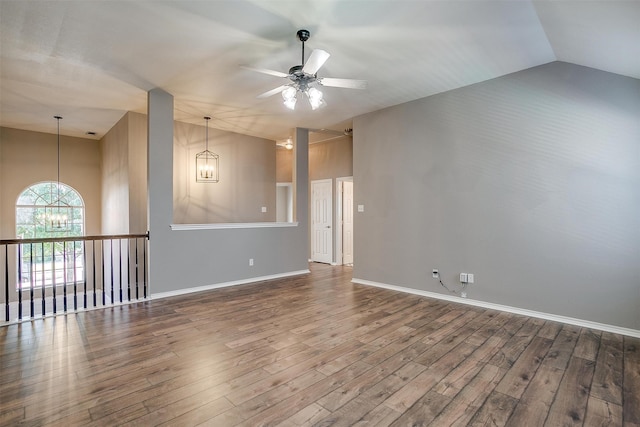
column 313, row 350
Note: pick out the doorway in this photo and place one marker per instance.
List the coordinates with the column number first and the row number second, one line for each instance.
column 344, row 219
column 322, row 221
column 284, row 202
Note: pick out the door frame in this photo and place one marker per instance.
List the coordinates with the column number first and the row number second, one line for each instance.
column 338, row 225
column 311, row 230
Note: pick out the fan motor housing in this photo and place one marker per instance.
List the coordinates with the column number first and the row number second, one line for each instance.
column 296, row 70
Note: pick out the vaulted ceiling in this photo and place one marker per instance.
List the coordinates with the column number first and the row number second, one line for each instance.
column 91, row 61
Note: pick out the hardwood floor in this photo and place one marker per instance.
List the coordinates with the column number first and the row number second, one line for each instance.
column 314, row 350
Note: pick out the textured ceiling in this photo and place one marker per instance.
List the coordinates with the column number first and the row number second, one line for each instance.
column 91, row 61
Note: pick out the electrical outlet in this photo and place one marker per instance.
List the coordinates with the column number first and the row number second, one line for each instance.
column 463, row 277
column 470, row 278
column 250, row 262
column 435, row 274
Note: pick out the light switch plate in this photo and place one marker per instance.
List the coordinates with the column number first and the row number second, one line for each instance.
column 360, row 208
column 264, row 209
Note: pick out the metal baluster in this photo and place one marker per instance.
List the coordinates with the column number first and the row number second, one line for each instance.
column 144, row 271
column 129, row 270
column 20, row 281
column 120, row 266
column 64, row 275
column 111, row 264
column 6, row 283
column 44, row 294
column 55, row 303
column 31, row 279
column 137, row 277
column 75, row 284
column 104, row 295
column 84, row 270
column 93, row 254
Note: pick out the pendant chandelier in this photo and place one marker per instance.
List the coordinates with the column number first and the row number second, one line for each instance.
column 57, row 213
column 207, row 162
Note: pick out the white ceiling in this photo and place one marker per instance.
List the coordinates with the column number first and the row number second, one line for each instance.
column 92, row 60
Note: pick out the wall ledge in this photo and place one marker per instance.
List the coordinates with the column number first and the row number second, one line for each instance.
column 226, row 225
column 226, row 284
column 531, row 313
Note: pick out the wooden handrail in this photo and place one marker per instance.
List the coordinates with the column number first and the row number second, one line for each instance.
column 73, row 238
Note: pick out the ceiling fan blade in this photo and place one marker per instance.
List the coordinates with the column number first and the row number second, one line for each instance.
column 272, row 91
column 316, row 60
column 266, row 71
column 344, row 83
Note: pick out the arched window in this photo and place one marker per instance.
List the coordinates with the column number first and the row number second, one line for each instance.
column 49, row 263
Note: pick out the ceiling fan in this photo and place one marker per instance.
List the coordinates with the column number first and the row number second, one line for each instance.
column 304, row 78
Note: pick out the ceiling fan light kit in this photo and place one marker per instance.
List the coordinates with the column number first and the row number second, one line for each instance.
column 304, row 79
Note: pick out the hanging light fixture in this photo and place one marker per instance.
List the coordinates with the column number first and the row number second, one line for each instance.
column 206, row 161
column 57, row 213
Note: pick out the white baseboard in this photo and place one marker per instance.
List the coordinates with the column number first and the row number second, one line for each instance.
column 541, row 315
column 226, row 284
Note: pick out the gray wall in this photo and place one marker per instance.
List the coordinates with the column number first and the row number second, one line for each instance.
column 186, row 259
column 531, row 181
column 247, row 177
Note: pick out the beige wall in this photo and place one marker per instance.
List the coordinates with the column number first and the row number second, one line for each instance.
column 138, row 199
column 327, row 160
column 29, row 157
column 284, row 165
column 115, row 178
column 247, row 178
column 124, row 176
column 331, row 159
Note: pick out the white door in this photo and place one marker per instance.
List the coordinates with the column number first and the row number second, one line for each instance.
column 347, row 222
column 321, row 221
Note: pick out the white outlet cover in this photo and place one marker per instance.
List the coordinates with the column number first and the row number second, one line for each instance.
column 264, row 209
column 360, row 208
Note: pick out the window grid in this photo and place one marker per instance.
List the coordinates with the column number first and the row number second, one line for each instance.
column 49, row 263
